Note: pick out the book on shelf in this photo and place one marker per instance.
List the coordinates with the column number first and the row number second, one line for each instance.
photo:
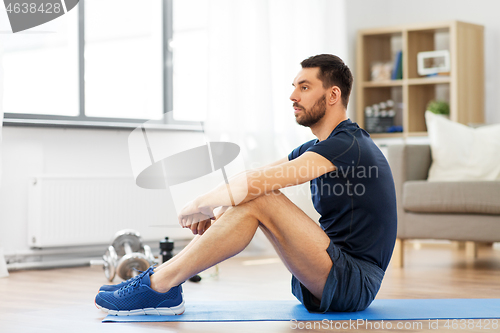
column 397, row 72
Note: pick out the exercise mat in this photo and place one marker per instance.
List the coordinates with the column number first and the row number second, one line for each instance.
column 380, row 309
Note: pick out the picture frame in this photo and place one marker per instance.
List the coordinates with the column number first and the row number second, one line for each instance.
column 433, row 62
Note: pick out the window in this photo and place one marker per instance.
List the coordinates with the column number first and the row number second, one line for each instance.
column 33, row 80
column 190, row 58
column 104, row 63
column 123, row 59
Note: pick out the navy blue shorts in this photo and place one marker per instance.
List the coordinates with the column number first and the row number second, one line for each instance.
column 352, row 284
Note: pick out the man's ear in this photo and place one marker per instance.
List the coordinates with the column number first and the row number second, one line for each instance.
column 334, row 96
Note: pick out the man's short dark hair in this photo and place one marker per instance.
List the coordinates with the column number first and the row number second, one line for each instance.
column 332, row 72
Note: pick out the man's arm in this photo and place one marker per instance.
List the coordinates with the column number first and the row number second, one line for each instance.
column 253, row 183
column 218, row 213
column 278, row 162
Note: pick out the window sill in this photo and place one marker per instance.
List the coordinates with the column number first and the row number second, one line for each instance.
column 108, row 125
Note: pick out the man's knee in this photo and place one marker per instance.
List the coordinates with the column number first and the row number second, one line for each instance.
column 267, row 199
column 263, row 206
column 259, row 206
column 244, row 208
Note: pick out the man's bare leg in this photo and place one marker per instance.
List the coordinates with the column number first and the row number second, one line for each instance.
column 300, row 242
column 187, row 247
column 178, row 255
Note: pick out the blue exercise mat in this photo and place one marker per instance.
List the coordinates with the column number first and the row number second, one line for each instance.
column 380, row 309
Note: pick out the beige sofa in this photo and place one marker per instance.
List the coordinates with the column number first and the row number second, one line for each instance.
column 459, row 211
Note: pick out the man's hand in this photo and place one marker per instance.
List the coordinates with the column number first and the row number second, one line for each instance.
column 199, row 223
column 192, row 208
column 198, row 219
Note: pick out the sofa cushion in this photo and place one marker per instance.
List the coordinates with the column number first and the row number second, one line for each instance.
column 470, row 197
column 462, row 153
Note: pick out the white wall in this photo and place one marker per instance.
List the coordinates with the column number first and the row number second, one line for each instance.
column 374, row 13
column 29, row 151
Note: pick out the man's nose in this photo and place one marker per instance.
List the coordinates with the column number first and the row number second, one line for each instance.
column 294, row 96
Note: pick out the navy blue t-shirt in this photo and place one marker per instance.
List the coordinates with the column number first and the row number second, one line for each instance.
column 357, row 201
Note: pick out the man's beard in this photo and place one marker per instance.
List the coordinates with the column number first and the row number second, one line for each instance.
column 312, row 116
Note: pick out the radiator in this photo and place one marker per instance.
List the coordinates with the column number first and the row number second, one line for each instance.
column 76, row 211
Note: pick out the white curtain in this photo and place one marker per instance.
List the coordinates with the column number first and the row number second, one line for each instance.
column 3, row 27
column 3, row 267
column 255, row 50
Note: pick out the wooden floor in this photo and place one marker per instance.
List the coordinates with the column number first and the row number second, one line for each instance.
column 61, row 300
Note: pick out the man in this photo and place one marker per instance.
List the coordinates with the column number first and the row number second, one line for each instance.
column 337, row 266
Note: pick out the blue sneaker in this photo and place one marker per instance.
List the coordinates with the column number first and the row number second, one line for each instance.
column 137, row 298
column 113, row 287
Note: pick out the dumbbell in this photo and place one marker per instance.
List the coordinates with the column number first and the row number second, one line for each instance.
column 126, row 255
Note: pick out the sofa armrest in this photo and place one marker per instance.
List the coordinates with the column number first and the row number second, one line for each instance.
column 408, row 162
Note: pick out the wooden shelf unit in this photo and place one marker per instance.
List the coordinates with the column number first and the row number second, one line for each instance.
column 463, row 88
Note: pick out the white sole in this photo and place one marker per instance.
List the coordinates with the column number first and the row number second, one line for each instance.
column 173, row 311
